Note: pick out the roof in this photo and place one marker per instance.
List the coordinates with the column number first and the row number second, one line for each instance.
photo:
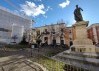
column 50, row 25
column 95, row 24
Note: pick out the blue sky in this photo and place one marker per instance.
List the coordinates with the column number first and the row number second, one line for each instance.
column 46, row 12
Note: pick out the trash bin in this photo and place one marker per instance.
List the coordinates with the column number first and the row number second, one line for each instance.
column 34, row 46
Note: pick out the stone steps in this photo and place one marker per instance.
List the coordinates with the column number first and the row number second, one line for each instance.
column 78, row 61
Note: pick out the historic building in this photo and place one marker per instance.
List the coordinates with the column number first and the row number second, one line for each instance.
column 12, row 25
column 53, row 34
column 93, row 33
column 69, row 35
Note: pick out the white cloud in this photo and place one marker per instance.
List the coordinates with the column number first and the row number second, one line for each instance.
column 49, row 8
column 44, row 16
column 31, row 9
column 64, row 4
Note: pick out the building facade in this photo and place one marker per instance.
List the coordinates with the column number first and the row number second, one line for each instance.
column 69, row 35
column 93, row 33
column 52, row 34
column 13, row 25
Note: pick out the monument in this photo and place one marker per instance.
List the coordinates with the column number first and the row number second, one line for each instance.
column 82, row 53
column 81, row 42
column 77, row 14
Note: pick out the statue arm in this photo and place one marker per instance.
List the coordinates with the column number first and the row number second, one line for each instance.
column 81, row 9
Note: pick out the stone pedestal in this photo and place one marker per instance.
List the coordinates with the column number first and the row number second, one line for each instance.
column 82, row 53
column 81, row 42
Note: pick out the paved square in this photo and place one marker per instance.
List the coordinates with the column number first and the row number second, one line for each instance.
column 18, row 64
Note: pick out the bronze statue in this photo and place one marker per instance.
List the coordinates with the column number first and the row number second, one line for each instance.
column 77, row 14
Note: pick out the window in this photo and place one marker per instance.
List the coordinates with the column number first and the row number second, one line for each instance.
column 70, row 31
column 53, row 31
column 81, row 50
column 72, row 49
column 38, row 32
column 45, row 30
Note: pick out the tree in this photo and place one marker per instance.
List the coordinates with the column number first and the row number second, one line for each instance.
column 24, row 40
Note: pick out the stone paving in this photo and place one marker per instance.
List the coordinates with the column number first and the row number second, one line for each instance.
column 17, row 59
column 19, row 63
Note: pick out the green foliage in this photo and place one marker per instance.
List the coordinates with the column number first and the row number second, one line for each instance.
column 50, row 64
column 16, row 46
column 24, row 42
column 49, row 54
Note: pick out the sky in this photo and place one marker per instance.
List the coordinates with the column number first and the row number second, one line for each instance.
column 46, row 12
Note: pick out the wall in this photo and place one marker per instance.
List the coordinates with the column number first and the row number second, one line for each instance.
column 7, row 19
column 93, row 33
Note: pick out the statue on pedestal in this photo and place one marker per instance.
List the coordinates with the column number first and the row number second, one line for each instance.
column 77, row 14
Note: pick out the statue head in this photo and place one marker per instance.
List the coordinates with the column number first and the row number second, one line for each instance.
column 76, row 6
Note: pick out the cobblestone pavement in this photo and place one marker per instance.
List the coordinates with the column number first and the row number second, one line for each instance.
column 18, row 63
